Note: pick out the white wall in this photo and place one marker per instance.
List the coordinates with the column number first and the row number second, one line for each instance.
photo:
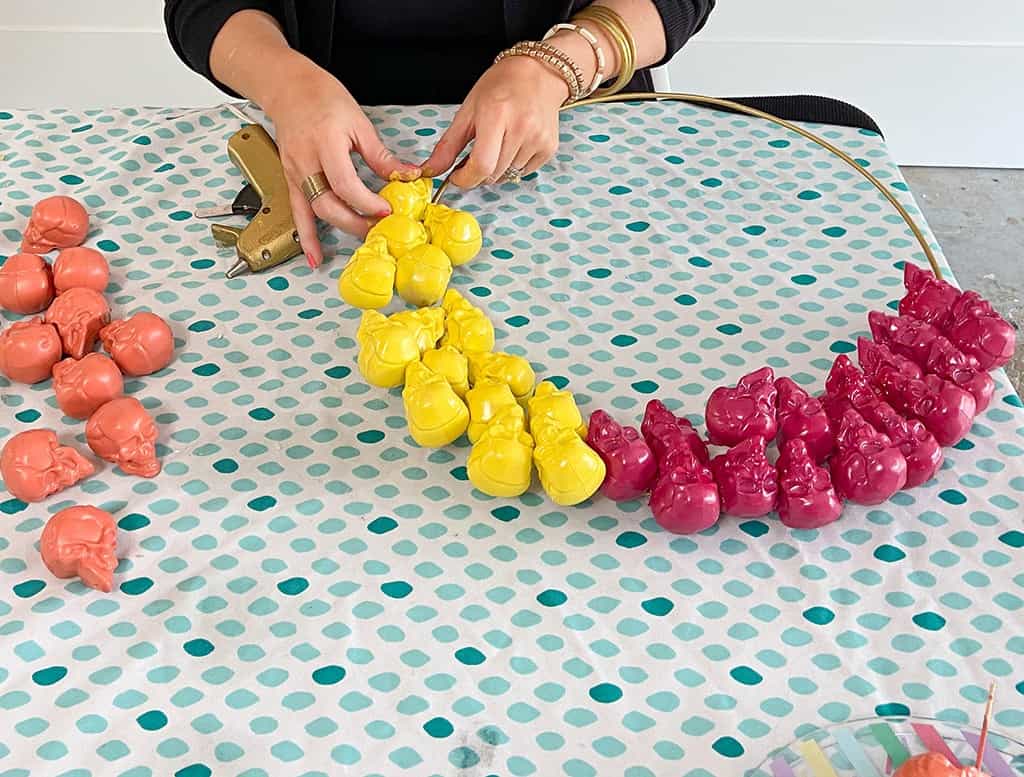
column 945, row 87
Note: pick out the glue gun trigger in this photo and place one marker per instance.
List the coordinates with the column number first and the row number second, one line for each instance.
column 246, row 203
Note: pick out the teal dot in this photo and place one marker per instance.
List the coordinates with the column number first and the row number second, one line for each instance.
column 834, row 231
column 460, row 473
column 842, row 346
column 889, row 553
column 517, row 321
column 711, row 183
column 606, row 693
column 809, row 194
column 599, row 272
column 551, row 598
column 180, row 215
column 892, row 710
column 329, row 675
column 619, row 190
column 206, row 370
column 152, row 720
column 278, row 283
column 261, row 414
column 952, row 496
column 480, row 291
column 638, row 226
column 658, row 606
column 370, row 436
column 469, row 656
column 108, row 245
column 623, row 340
column 399, row 589
column 194, row 770
column 930, row 621
column 645, row 386
column 686, row 299
column 729, row 329
column 501, row 253
column 198, row 647
column 137, row 586
column 820, row 616
column 71, row 179
column 133, row 521
column 754, row 528
column 12, row 506
column 505, row 513
column 804, row 280
column 746, row 675
column 202, row 264
column 699, row 261
column 338, row 372
column 728, row 747
column 560, row 222
column 293, row 586
column 27, row 416
column 1013, row 538
column 382, row 525
column 226, row 466
column 779, row 143
column 50, row 675
column 201, row 326
column 630, row 539
column 142, row 140
column 29, row 588
column 439, row 728
column 262, row 503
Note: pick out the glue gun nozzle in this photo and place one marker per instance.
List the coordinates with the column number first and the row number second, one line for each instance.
column 237, row 269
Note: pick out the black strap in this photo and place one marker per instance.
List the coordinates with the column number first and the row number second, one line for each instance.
column 810, row 108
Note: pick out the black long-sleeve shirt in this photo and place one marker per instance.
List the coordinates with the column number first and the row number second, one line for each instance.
column 405, row 51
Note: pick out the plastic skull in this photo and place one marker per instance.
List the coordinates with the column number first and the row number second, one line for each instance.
column 450, row 364
column 975, row 328
column 949, row 362
column 26, row 284
column 80, row 267
column 455, row 232
column 685, row 497
column 466, row 327
column 871, row 355
column 627, row 457
column 402, row 233
column 79, row 315
column 124, row 433
column 507, row 368
column 408, row 198
column 81, row 542
column 927, row 298
column 907, row 336
column 668, row 433
column 747, row 481
column 386, row 348
column 368, row 280
column 501, row 462
column 84, row 385
column 34, row 465
column 866, row 468
column 436, row 414
column 802, row 417
column 140, row 345
column 56, row 222
column 736, row 413
column 549, row 403
column 422, row 275
column 486, row 400
column 570, row 471
column 28, row 351
column 807, row 499
column 918, row 446
column 426, row 324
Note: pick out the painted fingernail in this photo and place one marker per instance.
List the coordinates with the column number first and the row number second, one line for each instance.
column 383, row 214
column 427, row 172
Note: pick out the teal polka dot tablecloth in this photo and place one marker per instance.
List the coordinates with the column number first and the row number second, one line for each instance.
column 304, row 591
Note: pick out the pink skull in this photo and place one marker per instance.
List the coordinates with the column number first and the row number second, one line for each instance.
column 81, row 542
column 141, row 345
column 747, row 481
column 685, row 498
column 83, row 385
column 56, row 222
column 80, row 267
column 927, row 298
column 866, row 468
column 904, row 335
column 975, row 328
column 801, row 417
column 918, row 446
column 736, row 414
column 949, row 362
column 34, row 465
column 26, row 285
column 28, row 351
column 807, row 499
column 629, row 462
column 667, row 433
column 79, row 315
column 123, row 432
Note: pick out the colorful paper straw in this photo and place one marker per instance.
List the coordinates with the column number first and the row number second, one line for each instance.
column 815, row 757
column 887, row 738
column 855, row 753
column 782, row 769
column 933, row 740
column 995, row 764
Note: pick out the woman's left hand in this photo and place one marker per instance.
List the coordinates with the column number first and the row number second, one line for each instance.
column 511, row 115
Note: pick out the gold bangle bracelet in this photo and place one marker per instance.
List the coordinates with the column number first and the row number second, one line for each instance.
column 616, row 29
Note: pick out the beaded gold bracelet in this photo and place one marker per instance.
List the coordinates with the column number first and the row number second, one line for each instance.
column 595, row 44
column 552, row 57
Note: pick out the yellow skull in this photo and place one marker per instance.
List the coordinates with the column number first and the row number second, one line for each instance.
column 422, row 275
column 427, row 325
column 570, row 470
column 408, row 198
column 455, row 232
column 501, row 462
column 487, row 399
column 369, row 277
column 555, row 405
column 402, row 233
column 434, row 411
column 385, row 349
column 466, row 327
column 506, row 368
column 450, row 364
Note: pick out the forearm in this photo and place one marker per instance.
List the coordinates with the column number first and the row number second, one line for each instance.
column 251, row 56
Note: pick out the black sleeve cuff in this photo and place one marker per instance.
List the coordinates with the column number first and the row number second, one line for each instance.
column 192, row 26
column 681, row 19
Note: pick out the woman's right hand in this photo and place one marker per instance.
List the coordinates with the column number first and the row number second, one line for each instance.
column 319, row 125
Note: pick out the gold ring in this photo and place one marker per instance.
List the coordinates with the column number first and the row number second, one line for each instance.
column 314, row 186
column 513, row 175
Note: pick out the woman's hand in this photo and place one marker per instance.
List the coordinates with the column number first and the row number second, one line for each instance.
column 511, row 115
column 319, row 126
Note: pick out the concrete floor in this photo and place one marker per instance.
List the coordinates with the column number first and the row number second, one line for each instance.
column 978, row 219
